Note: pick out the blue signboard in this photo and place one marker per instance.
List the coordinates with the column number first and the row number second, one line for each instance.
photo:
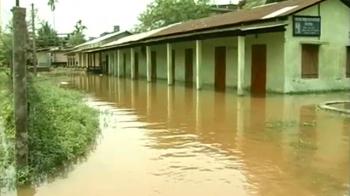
column 307, row 26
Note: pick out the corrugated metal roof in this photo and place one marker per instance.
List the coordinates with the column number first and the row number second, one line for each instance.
column 136, row 37
column 257, row 14
column 95, row 42
column 267, row 25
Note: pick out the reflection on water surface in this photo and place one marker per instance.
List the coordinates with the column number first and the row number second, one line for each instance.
column 170, row 141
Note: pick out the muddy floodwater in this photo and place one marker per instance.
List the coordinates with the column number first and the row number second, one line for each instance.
column 176, row 141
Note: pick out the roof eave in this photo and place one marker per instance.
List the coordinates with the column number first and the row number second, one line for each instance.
column 252, row 22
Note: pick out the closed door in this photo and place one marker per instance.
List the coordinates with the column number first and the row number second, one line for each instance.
column 136, row 65
column 154, row 66
column 220, row 68
column 258, row 76
column 189, row 66
column 124, row 65
column 107, row 64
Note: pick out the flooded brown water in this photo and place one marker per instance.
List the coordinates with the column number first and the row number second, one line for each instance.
column 176, row 141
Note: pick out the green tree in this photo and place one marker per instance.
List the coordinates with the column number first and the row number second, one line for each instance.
column 52, row 4
column 6, row 49
column 47, row 36
column 161, row 13
column 77, row 36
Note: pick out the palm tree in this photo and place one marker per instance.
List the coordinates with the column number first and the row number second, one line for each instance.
column 52, row 4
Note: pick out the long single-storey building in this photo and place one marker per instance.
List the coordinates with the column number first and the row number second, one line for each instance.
column 286, row 47
column 81, row 56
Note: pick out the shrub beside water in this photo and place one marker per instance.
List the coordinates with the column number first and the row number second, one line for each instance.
column 62, row 128
column 6, row 130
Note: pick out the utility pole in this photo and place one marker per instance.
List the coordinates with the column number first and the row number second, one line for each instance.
column 35, row 61
column 0, row 19
column 20, row 84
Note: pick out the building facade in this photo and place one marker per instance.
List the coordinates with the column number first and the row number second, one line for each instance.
column 83, row 57
column 287, row 47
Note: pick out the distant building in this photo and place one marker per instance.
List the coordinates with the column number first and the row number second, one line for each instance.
column 223, row 8
column 80, row 55
column 52, row 57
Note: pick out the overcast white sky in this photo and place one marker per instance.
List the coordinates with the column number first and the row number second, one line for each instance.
column 98, row 15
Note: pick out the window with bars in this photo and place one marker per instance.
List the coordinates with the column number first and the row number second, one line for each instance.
column 310, row 61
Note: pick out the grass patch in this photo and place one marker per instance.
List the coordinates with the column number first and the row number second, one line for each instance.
column 6, row 129
column 62, row 128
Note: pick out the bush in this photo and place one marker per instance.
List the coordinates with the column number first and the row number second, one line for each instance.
column 7, row 133
column 61, row 128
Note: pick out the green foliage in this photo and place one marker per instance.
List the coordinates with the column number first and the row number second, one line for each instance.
column 52, row 4
column 77, row 36
column 61, row 128
column 7, row 131
column 47, row 36
column 161, row 13
column 5, row 49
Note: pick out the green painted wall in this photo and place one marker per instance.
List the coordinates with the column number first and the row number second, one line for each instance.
column 125, row 52
column 142, row 62
column 180, row 48
column 208, row 71
column 274, row 59
column 335, row 36
column 161, row 60
column 273, row 41
column 283, row 55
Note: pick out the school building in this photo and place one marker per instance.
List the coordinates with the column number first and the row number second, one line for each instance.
column 286, row 47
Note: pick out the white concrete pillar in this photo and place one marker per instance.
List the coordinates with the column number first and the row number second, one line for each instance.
column 119, row 64
column 169, row 64
column 132, row 63
column 148, row 62
column 241, row 65
column 198, row 64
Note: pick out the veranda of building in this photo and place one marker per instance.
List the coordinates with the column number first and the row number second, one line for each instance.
column 287, row 47
column 81, row 56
